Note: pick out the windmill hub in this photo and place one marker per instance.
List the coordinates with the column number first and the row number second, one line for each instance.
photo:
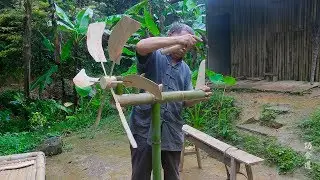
column 108, row 82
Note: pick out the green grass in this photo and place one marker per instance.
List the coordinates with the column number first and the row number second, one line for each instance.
column 11, row 143
column 20, row 132
column 311, row 129
column 311, row 133
column 315, row 171
column 285, row 158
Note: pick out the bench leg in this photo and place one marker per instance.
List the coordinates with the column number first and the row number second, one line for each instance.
column 233, row 173
column 182, row 156
column 198, row 157
column 249, row 172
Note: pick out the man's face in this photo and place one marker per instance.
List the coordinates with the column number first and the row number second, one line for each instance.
column 179, row 54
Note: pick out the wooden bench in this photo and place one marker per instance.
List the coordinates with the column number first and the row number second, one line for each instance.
column 271, row 77
column 231, row 156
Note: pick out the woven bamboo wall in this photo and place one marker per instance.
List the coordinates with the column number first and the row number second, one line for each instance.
column 271, row 36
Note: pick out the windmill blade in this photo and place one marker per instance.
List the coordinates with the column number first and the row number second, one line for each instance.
column 119, row 36
column 94, row 41
column 201, row 79
column 83, row 80
column 124, row 121
column 143, row 83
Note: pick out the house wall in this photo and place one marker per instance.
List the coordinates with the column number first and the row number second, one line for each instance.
column 270, row 36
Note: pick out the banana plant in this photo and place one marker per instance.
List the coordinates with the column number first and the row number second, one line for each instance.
column 76, row 29
column 196, row 114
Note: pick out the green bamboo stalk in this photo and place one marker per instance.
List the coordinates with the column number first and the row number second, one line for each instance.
column 147, row 98
column 156, row 141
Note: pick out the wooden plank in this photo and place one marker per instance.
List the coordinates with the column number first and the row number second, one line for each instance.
column 221, row 146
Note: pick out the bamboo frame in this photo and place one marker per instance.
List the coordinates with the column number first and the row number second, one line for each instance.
column 147, row 98
column 33, row 164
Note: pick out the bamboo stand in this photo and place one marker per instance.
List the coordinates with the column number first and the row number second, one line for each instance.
column 156, row 141
column 147, row 98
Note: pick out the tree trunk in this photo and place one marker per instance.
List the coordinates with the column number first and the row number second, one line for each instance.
column 316, row 48
column 27, row 47
column 76, row 64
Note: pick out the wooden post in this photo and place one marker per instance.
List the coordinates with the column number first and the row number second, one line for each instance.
column 198, row 157
column 156, row 141
column 233, row 173
column 249, row 172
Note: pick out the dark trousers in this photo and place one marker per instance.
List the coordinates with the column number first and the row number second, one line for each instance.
column 141, row 159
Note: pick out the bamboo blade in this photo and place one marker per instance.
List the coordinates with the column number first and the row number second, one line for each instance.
column 94, row 41
column 124, row 121
column 143, row 83
column 201, row 79
column 83, row 80
column 147, row 98
column 120, row 35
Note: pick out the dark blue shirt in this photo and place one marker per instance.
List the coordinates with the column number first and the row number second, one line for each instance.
column 160, row 69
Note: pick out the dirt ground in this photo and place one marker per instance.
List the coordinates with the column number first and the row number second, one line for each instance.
column 300, row 108
column 108, row 157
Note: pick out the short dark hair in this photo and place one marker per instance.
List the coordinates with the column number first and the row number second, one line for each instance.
column 178, row 27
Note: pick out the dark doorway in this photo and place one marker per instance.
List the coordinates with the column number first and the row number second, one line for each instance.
column 219, row 41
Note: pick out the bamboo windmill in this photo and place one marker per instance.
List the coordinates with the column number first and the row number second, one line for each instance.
column 154, row 95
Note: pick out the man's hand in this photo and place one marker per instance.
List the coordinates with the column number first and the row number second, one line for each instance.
column 204, row 88
column 207, row 90
column 188, row 40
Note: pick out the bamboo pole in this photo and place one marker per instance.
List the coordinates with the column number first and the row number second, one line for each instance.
column 147, row 98
column 156, row 141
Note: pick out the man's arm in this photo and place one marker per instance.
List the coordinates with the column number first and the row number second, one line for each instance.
column 149, row 45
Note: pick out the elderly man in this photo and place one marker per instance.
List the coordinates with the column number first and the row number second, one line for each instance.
column 175, row 75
